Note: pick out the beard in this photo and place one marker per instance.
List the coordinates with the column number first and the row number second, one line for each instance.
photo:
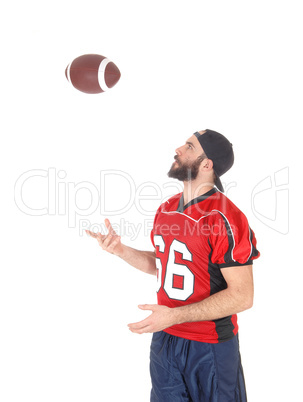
column 185, row 171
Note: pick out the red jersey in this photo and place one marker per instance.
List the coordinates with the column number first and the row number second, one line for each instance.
column 193, row 243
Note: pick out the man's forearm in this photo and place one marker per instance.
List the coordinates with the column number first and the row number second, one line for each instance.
column 145, row 261
column 237, row 297
column 222, row 304
column 219, row 305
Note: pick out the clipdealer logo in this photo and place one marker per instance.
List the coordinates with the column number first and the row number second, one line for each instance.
column 59, row 196
column 270, row 201
column 40, row 192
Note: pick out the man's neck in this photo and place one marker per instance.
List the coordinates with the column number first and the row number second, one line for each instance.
column 193, row 190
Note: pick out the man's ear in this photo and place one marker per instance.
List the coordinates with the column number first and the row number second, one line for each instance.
column 207, row 165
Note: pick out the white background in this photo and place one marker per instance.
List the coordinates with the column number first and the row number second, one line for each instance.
column 231, row 66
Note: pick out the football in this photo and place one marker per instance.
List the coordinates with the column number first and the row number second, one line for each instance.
column 92, row 73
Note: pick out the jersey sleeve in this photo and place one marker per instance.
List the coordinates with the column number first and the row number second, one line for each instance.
column 232, row 241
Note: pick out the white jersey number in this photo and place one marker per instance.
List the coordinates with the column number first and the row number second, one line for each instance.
column 175, row 271
column 158, row 240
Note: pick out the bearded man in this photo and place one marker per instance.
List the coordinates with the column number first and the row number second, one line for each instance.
column 203, row 254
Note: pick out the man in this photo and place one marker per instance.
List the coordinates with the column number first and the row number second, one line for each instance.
column 204, row 249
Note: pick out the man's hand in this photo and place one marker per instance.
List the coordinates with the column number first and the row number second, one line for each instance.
column 110, row 242
column 161, row 318
column 145, row 261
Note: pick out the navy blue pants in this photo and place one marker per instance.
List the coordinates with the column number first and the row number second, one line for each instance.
column 183, row 370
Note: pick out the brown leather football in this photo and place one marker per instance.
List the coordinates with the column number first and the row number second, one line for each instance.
column 92, row 73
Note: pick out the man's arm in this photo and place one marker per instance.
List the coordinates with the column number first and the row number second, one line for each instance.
column 237, row 297
column 145, row 261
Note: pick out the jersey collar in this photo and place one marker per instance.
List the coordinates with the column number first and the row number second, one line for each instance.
column 182, row 207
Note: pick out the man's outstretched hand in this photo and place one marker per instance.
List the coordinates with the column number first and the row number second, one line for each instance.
column 161, row 318
column 110, row 242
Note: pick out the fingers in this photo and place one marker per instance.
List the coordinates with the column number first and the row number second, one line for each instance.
column 141, row 330
column 140, row 327
column 92, row 234
column 150, row 307
column 109, row 242
column 109, row 227
column 98, row 235
column 145, row 325
column 106, row 242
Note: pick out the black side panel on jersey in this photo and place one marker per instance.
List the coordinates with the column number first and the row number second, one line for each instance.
column 231, row 242
column 224, row 326
column 217, row 281
column 254, row 251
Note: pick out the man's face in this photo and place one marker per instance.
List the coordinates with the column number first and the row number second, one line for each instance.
column 187, row 161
